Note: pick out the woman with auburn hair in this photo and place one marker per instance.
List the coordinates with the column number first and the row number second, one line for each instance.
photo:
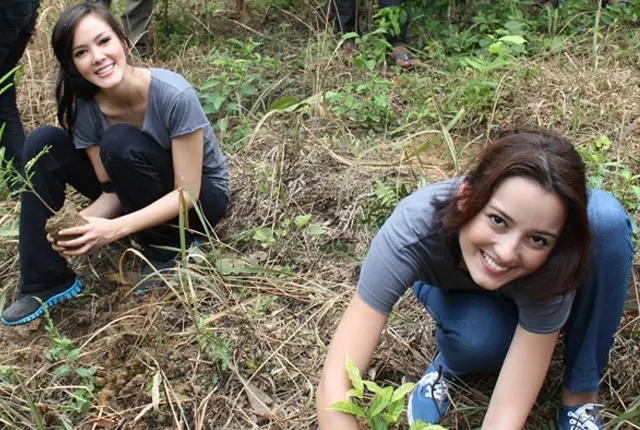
column 135, row 141
column 503, row 259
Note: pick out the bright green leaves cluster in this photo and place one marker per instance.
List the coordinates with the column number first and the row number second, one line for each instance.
column 386, row 406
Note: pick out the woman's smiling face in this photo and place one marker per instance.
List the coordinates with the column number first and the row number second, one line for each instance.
column 97, row 52
column 513, row 234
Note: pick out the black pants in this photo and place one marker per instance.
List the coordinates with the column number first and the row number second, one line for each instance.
column 141, row 172
column 344, row 12
column 17, row 22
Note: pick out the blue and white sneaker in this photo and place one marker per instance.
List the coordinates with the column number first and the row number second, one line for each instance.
column 581, row 417
column 27, row 308
column 429, row 400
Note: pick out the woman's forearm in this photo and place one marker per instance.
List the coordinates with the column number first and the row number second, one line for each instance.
column 106, row 206
column 162, row 210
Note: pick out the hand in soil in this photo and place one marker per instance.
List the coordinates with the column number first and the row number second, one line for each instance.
column 95, row 233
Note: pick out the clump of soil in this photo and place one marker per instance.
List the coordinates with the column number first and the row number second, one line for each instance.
column 66, row 217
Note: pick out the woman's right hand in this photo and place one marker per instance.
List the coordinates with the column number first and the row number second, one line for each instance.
column 357, row 336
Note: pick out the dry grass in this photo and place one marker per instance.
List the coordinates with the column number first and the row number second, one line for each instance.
column 155, row 355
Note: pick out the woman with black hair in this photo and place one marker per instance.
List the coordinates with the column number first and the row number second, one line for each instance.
column 136, row 141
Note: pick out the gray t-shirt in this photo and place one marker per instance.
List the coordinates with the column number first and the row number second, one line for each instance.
column 173, row 109
column 410, row 247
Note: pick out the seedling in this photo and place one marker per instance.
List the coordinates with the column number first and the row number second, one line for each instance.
column 386, row 406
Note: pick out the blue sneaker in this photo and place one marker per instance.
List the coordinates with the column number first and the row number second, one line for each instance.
column 582, row 417
column 27, row 307
column 429, row 400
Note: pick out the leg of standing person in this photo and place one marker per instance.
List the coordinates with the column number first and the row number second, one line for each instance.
column 400, row 54
column 135, row 20
column 17, row 20
column 343, row 13
column 43, row 272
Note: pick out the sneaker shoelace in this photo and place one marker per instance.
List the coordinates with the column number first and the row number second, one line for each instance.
column 584, row 418
column 436, row 387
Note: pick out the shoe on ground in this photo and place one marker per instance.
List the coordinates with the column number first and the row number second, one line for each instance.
column 581, row 417
column 27, row 308
column 429, row 400
column 149, row 278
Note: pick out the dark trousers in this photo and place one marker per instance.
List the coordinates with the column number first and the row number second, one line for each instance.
column 141, row 172
column 344, row 13
column 17, row 22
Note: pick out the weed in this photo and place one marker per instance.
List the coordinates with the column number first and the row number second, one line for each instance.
column 301, row 223
column 64, row 353
column 386, row 198
column 364, row 104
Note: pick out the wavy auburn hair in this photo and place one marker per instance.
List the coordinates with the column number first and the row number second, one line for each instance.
column 552, row 162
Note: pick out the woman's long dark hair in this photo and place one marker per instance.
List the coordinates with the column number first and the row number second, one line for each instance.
column 70, row 84
column 552, row 162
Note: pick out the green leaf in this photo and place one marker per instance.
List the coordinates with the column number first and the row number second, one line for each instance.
column 62, row 370
column 316, row 230
column 302, row 220
column 73, row 354
column 386, row 394
column 354, row 393
column 264, row 235
column 354, row 375
column 376, row 407
column 498, row 48
column 421, row 425
column 372, row 386
column 377, row 423
column 283, row 103
column 347, row 408
column 394, row 411
column 516, row 40
column 86, row 372
column 402, row 391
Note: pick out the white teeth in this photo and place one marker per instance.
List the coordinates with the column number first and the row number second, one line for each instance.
column 105, row 69
column 493, row 264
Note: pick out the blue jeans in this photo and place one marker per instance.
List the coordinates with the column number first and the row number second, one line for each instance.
column 474, row 328
column 17, row 21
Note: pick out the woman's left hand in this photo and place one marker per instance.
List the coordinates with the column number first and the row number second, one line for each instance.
column 96, row 233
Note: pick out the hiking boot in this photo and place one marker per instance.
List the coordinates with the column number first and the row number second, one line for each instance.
column 429, row 400
column 581, row 417
column 27, row 308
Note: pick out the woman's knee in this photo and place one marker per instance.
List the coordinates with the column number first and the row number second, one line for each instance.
column 44, row 139
column 468, row 347
column 609, row 224
column 119, row 141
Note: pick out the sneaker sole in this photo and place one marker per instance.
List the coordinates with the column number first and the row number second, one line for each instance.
column 68, row 294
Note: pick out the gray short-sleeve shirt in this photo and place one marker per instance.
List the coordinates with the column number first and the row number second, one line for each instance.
column 409, row 248
column 173, row 109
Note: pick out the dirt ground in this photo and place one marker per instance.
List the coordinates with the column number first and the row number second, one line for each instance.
column 236, row 338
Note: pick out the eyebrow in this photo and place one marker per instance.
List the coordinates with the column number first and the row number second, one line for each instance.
column 509, row 219
column 84, row 46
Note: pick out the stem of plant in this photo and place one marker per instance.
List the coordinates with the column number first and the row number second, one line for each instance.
column 596, row 27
